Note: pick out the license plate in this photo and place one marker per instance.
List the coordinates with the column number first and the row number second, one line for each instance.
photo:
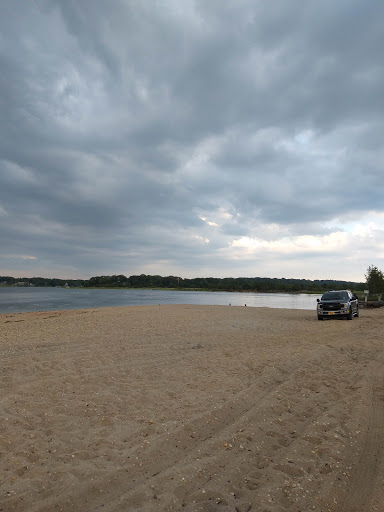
column 331, row 313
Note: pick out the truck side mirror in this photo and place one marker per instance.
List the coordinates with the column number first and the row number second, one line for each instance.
column 318, row 300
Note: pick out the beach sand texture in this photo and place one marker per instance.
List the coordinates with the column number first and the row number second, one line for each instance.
column 191, row 408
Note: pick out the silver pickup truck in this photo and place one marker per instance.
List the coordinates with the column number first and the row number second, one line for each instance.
column 338, row 303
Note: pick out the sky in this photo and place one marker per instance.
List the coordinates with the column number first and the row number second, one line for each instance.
column 195, row 138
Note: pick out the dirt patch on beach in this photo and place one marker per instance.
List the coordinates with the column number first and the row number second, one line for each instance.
column 193, row 408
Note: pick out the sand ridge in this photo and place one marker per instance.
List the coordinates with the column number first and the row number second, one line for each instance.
column 194, row 408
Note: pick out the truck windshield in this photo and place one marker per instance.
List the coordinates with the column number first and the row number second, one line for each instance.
column 335, row 296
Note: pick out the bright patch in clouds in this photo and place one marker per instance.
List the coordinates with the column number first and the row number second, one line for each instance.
column 201, row 239
column 209, row 223
column 295, row 245
column 23, row 257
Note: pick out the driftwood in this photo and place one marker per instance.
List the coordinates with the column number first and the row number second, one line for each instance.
column 372, row 304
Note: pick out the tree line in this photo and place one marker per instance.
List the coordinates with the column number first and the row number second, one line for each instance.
column 260, row 284
column 40, row 281
column 256, row 284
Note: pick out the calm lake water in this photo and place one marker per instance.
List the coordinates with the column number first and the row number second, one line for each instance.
column 18, row 300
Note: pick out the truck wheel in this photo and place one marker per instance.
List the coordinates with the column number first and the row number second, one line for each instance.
column 320, row 317
column 357, row 313
column 350, row 314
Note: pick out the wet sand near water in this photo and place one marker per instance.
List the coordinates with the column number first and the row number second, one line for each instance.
column 191, row 408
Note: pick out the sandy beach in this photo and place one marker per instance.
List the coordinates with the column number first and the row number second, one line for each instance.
column 191, row 408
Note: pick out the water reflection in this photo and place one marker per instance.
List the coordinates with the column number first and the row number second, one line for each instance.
column 17, row 300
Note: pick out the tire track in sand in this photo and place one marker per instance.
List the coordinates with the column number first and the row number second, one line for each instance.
column 360, row 493
column 214, row 427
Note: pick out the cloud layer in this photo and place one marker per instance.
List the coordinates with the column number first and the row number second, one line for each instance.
column 221, row 138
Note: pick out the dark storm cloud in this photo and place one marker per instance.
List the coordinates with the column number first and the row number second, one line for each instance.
column 133, row 133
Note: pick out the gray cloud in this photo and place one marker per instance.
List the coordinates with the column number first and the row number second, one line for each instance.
column 184, row 137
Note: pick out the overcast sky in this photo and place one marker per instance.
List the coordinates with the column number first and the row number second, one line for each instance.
column 192, row 138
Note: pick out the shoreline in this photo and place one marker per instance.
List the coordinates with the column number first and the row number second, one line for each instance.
column 94, row 309
column 187, row 407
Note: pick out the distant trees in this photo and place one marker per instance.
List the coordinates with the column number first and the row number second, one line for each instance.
column 40, row 281
column 7, row 280
column 375, row 280
column 251, row 284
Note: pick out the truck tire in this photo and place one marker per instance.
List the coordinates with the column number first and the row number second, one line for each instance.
column 319, row 317
column 350, row 314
